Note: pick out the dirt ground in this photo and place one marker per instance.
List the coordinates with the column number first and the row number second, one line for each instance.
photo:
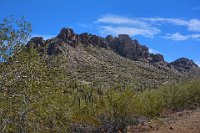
column 181, row 122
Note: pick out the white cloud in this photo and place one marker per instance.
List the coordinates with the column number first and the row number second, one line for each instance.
column 194, row 25
column 190, row 24
column 148, row 27
column 179, row 37
column 45, row 36
column 153, row 51
column 132, row 31
column 175, row 21
column 176, row 37
column 195, row 36
column 114, row 25
column 114, row 19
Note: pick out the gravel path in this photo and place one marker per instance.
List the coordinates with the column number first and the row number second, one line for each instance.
column 186, row 124
column 181, row 122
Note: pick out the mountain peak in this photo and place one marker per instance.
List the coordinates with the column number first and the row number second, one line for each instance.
column 68, row 35
column 184, row 64
column 123, row 45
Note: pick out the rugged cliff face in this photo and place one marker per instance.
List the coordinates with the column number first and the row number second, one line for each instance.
column 122, row 45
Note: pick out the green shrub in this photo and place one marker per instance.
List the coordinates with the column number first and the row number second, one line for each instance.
column 36, row 96
column 181, row 95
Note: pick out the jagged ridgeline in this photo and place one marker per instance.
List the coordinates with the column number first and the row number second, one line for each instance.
column 114, row 60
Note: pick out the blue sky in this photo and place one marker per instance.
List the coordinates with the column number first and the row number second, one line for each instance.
column 169, row 27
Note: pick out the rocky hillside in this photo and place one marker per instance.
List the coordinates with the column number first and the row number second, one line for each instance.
column 110, row 60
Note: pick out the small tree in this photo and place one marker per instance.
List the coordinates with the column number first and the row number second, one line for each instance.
column 31, row 86
column 13, row 34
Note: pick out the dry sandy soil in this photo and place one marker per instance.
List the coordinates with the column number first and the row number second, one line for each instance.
column 181, row 122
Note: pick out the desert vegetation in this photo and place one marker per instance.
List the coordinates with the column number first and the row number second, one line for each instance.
column 39, row 94
column 37, row 97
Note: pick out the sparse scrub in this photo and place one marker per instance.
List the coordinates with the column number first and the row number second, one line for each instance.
column 44, row 99
column 39, row 94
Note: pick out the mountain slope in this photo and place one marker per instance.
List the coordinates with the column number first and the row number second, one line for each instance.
column 106, row 61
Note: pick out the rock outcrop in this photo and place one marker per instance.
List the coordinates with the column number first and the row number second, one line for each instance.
column 128, row 48
column 89, row 39
column 156, row 58
column 184, row 65
column 123, row 45
column 38, row 43
column 67, row 35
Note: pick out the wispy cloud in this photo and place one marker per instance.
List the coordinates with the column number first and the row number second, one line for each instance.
column 159, row 20
column 45, row 36
column 194, row 25
column 114, row 25
column 176, row 37
column 130, row 30
column 179, row 37
column 154, row 51
column 190, row 24
column 148, row 27
column 114, row 19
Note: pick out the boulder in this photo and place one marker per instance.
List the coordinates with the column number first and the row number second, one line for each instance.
column 56, row 47
column 156, row 58
column 38, row 41
column 89, row 39
column 84, row 38
column 109, row 38
column 68, row 35
column 124, row 38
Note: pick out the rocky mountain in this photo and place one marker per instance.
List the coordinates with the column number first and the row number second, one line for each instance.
column 184, row 64
column 114, row 59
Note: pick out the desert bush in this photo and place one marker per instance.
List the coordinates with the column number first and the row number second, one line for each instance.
column 182, row 95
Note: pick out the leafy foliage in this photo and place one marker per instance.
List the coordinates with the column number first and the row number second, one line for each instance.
column 13, row 34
